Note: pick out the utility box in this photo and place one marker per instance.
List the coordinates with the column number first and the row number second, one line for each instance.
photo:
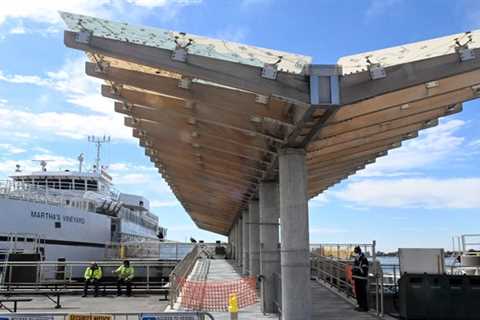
column 439, row 297
column 416, row 260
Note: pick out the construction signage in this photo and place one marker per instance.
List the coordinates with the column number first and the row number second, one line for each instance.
column 27, row 317
column 90, row 317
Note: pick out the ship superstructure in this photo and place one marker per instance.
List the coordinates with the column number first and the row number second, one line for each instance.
column 74, row 215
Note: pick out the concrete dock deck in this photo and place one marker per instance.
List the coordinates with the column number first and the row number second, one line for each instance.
column 326, row 304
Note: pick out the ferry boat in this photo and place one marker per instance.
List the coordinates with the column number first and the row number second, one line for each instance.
column 71, row 215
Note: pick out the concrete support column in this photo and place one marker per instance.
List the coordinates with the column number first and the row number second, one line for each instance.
column 295, row 253
column 269, row 247
column 245, row 242
column 254, row 237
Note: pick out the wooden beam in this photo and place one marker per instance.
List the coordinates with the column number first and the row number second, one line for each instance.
column 181, row 151
column 205, row 176
column 345, row 167
column 176, row 122
column 227, row 73
column 206, row 167
column 400, row 111
column 457, row 89
column 312, row 158
column 359, row 86
column 375, row 152
column 249, row 124
column 197, row 142
column 384, row 127
column 404, row 133
column 215, row 98
column 214, row 166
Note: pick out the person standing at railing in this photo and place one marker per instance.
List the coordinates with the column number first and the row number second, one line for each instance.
column 92, row 275
column 125, row 275
column 360, row 278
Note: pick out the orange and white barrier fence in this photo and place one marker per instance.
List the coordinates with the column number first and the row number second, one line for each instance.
column 214, row 295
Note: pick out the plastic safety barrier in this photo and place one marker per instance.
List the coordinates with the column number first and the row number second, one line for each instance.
column 214, row 295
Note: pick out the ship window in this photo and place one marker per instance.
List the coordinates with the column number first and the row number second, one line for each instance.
column 66, row 184
column 79, row 184
column 92, row 185
column 58, row 224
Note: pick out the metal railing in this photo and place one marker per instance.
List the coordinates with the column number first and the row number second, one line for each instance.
column 334, row 272
column 148, row 273
column 149, row 249
column 180, row 273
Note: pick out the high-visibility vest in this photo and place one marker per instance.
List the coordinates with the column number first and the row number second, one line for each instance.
column 125, row 272
column 93, row 274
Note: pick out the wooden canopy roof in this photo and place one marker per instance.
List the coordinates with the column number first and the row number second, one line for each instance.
column 212, row 114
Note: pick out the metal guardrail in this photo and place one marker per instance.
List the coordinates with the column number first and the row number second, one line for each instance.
column 333, row 272
column 147, row 272
column 180, row 273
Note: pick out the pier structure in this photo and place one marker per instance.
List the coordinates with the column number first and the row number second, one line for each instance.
column 245, row 136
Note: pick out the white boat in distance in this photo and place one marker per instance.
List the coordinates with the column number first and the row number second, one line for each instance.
column 71, row 215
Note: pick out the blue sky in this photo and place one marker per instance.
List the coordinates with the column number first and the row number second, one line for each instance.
column 419, row 195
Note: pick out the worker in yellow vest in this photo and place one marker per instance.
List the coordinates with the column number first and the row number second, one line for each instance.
column 125, row 275
column 92, row 275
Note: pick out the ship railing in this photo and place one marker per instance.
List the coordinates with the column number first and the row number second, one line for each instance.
column 23, row 191
column 36, row 275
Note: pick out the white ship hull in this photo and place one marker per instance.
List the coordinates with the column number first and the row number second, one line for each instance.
column 69, row 233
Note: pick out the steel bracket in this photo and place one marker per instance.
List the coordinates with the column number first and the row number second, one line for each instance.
column 180, row 54
column 269, row 71
column 377, row 71
column 83, row 36
column 465, row 53
column 324, row 85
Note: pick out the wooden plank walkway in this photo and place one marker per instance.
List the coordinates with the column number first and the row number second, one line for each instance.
column 326, row 304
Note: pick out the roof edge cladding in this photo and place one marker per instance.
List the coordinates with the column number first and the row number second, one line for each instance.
column 198, row 45
column 410, row 52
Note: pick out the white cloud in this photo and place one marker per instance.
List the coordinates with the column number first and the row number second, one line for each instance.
column 46, row 11
column 233, row 33
column 162, row 3
column 71, row 80
column 163, row 203
column 475, row 143
column 378, row 7
column 11, row 149
column 434, row 144
column 56, row 163
column 413, row 193
column 64, row 124
column 319, row 201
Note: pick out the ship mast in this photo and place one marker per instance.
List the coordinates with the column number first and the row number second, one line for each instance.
column 98, row 141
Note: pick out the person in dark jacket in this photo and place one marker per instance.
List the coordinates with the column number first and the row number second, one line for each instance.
column 360, row 278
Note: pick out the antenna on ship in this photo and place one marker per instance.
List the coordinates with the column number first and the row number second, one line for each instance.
column 98, row 141
column 80, row 162
column 43, row 163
